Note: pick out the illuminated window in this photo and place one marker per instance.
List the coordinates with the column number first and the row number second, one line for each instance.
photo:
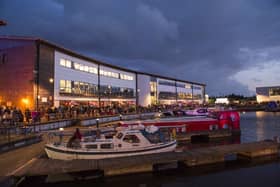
column 81, row 67
column 188, row 86
column 76, row 66
column 65, row 86
column 68, row 64
column 126, row 77
column 86, row 68
column 92, row 70
column 62, row 62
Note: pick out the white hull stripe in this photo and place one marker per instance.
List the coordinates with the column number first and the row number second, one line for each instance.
column 99, row 153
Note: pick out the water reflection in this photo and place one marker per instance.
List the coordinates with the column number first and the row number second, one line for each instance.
column 257, row 126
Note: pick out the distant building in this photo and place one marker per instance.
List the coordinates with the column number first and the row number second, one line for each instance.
column 269, row 93
column 36, row 73
column 222, row 101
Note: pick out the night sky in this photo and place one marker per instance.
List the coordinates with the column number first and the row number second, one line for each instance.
column 230, row 45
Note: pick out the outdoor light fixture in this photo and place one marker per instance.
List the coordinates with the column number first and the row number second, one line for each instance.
column 25, row 101
column 97, row 122
column 51, row 80
column 120, row 117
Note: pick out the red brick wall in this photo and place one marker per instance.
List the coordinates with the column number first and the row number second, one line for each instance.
column 16, row 73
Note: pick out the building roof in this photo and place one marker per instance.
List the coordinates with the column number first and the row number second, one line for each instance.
column 267, row 87
column 72, row 53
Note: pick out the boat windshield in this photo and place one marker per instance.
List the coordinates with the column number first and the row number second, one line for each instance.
column 131, row 139
column 119, row 135
column 157, row 137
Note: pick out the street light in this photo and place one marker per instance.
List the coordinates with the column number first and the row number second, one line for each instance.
column 109, row 93
column 120, row 117
column 137, row 100
column 25, row 101
column 97, row 123
column 51, row 80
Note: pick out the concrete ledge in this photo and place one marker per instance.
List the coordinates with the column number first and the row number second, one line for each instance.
column 20, row 143
column 128, row 170
column 258, row 153
column 204, row 160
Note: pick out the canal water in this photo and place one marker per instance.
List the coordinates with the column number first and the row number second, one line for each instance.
column 255, row 126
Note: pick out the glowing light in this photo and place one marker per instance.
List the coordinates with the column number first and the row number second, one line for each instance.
column 25, row 101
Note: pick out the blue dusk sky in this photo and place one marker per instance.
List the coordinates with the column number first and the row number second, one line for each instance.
column 230, row 45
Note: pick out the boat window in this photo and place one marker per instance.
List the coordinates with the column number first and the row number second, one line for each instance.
column 93, row 146
column 157, row 137
column 119, row 135
column 201, row 111
column 106, row 146
column 131, row 139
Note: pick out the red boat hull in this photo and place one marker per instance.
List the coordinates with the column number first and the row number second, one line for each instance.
column 218, row 120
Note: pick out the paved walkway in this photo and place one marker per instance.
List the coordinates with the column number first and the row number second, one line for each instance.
column 13, row 160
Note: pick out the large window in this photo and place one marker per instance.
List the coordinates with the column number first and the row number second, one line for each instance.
column 182, row 95
column 109, row 74
column 197, row 96
column 274, row 91
column 85, row 68
column 77, row 66
column 116, row 92
column 65, row 63
column 167, row 95
column 77, row 88
column 166, row 83
column 91, row 69
column 126, row 77
column 65, row 86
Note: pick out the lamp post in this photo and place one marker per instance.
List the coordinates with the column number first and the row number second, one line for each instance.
column 120, row 117
column 109, row 94
column 36, row 78
column 97, row 123
column 137, row 99
column 51, row 94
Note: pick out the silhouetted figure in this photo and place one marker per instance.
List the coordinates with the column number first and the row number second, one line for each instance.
column 75, row 140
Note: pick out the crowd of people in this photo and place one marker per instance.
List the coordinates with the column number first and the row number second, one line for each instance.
column 14, row 115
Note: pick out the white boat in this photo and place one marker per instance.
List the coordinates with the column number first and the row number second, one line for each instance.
column 127, row 142
column 198, row 112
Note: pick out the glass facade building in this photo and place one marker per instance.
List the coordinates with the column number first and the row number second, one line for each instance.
column 45, row 74
column 268, row 93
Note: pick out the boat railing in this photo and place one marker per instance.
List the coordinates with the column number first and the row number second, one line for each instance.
column 63, row 137
column 58, row 138
column 160, row 136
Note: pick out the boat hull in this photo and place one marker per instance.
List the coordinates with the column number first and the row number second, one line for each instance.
column 60, row 153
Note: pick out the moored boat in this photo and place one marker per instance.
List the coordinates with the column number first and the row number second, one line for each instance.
column 219, row 120
column 128, row 141
column 198, row 112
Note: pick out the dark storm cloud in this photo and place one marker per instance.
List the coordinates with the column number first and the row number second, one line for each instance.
column 197, row 40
